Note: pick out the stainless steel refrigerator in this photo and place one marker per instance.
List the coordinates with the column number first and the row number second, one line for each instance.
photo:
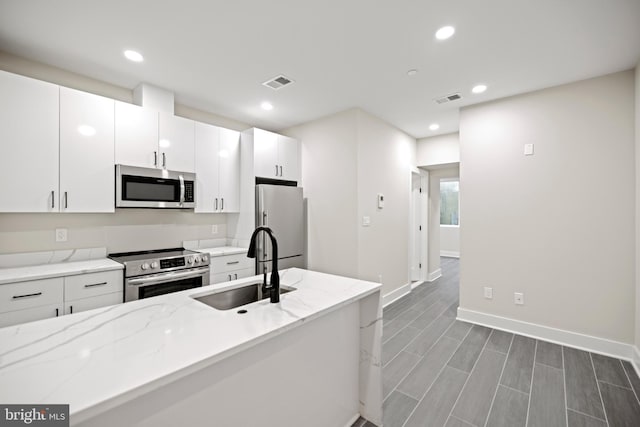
column 280, row 207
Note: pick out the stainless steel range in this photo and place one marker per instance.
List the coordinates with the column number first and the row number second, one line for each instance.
column 151, row 273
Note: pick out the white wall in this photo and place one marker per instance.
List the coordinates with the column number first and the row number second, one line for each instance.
column 557, row 225
column 347, row 159
column 450, row 241
column 438, row 150
column 329, row 179
column 126, row 229
column 637, row 259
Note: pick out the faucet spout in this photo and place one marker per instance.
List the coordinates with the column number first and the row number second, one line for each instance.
column 275, row 277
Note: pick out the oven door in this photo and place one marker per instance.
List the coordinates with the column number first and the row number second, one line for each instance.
column 164, row 283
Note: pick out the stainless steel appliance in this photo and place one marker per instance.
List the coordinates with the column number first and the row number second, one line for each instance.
column 154, row 188
column 280, row 207
column 151, row 273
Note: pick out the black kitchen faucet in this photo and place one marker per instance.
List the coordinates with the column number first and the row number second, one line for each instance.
column 275, row 278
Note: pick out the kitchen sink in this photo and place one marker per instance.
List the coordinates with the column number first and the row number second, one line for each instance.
column 237, row 297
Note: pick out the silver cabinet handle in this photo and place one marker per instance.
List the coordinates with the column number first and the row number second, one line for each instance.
column 155, row 158
column 236, row 274
column 222, row 201
column 70, row 309
column 276, row 170
column 57, row 312
column 233, row 262
column 229, row 277
column 95, row 284
column 280, row 170
column 66, row 200
column 216, row 204
column 164, row 160
column 37, row 294
column 53, row 200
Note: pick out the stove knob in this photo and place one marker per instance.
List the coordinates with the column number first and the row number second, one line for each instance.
column 145, row 266
column 196, row 258
column 204, row 258
column 189, row 260
column 154, row 264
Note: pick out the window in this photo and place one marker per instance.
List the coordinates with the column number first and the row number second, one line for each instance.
column 449, row 203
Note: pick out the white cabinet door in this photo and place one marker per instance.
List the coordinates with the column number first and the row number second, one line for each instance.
column 177, row 143
column 288, row 158
column 84, row 304
column 206, row 163
column 265, row 154
column 136, row 135
column 29, row 112
column 229, row 175
column 30, row 314
column 86, row 152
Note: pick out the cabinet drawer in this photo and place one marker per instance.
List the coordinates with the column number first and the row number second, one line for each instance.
column 34, row 293
column 85, row 304
column 30, row 314
column 92, row 284
column 222, row 264
column 229, row 276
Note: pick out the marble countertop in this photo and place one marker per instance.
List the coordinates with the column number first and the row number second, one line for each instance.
column 222, row 250
column 99, row 359
column 45, row 271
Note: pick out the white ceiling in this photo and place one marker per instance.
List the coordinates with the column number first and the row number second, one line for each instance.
column 215, row 54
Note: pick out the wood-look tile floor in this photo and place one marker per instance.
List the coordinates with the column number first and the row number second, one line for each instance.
column 441, row 372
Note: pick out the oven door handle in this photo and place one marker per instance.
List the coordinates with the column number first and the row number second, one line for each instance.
column 167, row 277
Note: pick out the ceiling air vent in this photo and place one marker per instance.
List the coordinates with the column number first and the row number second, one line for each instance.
column 278, row 82
column 448, row 98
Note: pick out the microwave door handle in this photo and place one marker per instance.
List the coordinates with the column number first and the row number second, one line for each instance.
column 181, row 190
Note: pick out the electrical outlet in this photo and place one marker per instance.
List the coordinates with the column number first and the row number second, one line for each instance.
column 214, row 229
column 528, row 149
column 518, row 298
column 61, row 234
column 488, row 293
column 366, row 221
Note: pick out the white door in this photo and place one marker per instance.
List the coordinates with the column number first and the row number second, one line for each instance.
column 288, row 158
column 229, row 172
column 86, row 152
column 29, row 113
column 206, row 162
column 265, row 154
column 416, row 225
column 176, row 143
column 136, row 134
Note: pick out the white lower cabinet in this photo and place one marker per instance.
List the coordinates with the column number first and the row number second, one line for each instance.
column 231, row 267
column 33, row 300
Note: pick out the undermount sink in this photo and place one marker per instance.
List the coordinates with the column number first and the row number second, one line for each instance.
column 237, row 297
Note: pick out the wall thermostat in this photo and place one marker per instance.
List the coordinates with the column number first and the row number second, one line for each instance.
column 380, row 200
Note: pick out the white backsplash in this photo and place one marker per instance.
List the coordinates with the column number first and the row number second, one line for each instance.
column 50, row 257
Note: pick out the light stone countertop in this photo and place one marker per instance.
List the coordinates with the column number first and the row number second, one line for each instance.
column 46, row 271
column 99, row 359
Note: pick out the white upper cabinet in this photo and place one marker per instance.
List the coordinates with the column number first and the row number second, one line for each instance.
column 136, row 134
column 29, row 129
column 217, row 161
column 229, row 171
column 176, row 143
column 275, row 156
column 288, row 158
column 86, row 152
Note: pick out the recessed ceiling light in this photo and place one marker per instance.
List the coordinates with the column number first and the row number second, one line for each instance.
column 134, row 56
column 434, row 126
column 412, row 72
column 86, row 130
column 479, row 88
column 266, row 106
column 445, row 32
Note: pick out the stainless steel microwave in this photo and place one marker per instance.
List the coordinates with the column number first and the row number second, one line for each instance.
column 154, row 188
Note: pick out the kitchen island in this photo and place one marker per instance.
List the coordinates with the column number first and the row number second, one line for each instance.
column 313, row 359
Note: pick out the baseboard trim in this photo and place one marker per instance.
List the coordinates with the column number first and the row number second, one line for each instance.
column 417, row 283
column 450, row 254
column 434, row 275
column 636, row 360
column 558, row 336
column 396, row 294
column 353, row 420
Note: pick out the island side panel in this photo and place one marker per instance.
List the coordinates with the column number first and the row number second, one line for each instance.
column 308, row 375
column 370, row 358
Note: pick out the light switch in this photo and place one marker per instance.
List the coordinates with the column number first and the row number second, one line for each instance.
column 528, row 149
column 380, row 200
column 366, row 221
